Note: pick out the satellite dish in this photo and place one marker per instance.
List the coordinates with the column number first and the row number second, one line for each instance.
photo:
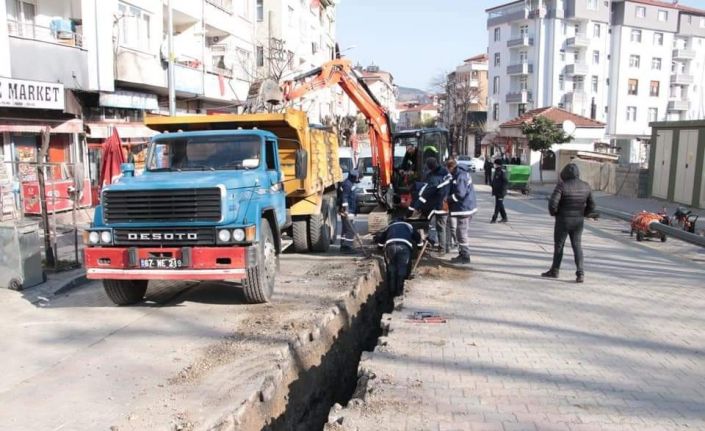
column 568, row 127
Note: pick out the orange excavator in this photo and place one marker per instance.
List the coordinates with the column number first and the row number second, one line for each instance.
column 340, row 72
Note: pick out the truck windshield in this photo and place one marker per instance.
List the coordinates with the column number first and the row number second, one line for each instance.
column 205, row 153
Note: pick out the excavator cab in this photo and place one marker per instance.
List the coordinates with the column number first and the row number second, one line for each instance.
column 420, row 145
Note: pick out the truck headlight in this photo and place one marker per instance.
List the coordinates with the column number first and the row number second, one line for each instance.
column 106, row 237
column 238, row 235
column 224, row 235
column 93, row 238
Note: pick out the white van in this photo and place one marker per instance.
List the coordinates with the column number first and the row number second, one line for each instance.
column 346, row 159
column 364, row 190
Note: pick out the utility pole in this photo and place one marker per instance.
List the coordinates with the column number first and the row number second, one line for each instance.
column 170, row 47
column 48, row 250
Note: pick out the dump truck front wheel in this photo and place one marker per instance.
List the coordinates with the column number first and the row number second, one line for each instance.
column 259, row 283
column 125, row 292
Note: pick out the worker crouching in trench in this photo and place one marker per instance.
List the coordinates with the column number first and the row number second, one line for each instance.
column 398, row 240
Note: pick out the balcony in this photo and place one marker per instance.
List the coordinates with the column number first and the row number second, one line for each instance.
column 578, row 41
column 577, row 69
column 521, row 96
column 225, row 5
column 576, row 98
column 682, row 79
column 683, row 54
column 62, row 32
column 678, row 105
column 520, row 69
column 520, row 42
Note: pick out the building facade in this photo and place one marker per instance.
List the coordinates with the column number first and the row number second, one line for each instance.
column 622, row 62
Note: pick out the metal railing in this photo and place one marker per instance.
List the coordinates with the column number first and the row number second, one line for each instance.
column 44, row 34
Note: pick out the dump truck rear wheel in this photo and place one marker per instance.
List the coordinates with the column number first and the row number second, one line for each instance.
column 319, row 228
column 125, row 292
column 299, row 233
column 259, row 284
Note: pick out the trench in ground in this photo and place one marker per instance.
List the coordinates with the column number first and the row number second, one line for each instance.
column 315, row 390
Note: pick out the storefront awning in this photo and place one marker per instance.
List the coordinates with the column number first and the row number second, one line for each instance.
column 126, row 131
column 21, row 126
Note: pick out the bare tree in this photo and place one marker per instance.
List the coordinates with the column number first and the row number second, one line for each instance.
column 462, row 92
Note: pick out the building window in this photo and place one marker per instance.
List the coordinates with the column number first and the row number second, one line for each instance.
column 523, row 83
column 595, row 83
column 702, row 22
column 260, row 56
column 134, row 27
column 523, row 57
column 578, row 83
column 497, row 34
column 522, row 109
column 662, row 15
column 592, row 4
column 636, row 36
column 634, row 61
column 654, row 88
column 656, row 63
column 658, row 39
column 260, row 10
column 548, row 161
column 641, row 12
column 561, row 82
column 495, row 85
column 631, row 113
column 596, row 57
column 496, row 59
column 633, row 87
column 653, row 114
column 597, row 30
column 524, row 30
column 495, row 112
column 562, row 55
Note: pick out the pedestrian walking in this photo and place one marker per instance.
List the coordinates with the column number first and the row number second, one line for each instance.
column 431, row 201
column 398, row 240
column 462, row 204
column 570, row 203
column 488, row 171
column 347, row 209
column 499, row 191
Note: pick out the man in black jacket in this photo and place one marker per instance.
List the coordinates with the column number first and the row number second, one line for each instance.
column 499, row 191
column 398, row 240
column 488, row 171
column 570, row 203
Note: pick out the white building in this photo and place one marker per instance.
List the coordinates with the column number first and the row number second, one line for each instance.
column 547, row 53
column 381, row 84
column 296, row 36
column 622, row 62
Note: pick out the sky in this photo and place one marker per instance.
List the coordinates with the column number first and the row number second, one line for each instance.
column 417, row 40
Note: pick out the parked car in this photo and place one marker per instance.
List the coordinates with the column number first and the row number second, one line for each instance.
column 364, row 190
column 472, row 164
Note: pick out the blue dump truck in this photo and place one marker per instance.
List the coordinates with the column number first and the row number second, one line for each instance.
column 217, row 194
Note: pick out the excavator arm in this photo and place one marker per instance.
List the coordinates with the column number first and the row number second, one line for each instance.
column 340, row 72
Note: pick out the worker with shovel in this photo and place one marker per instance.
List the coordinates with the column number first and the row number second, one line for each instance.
column 398, row 241
column 347, row 210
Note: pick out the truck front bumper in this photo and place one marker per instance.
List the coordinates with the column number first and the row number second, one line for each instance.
column 197, row 263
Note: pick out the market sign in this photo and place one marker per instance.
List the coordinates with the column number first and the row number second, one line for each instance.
column 18, row 93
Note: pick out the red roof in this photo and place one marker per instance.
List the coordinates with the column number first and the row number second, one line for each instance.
column 555, row 114
column 419, row 108
column 477, row 58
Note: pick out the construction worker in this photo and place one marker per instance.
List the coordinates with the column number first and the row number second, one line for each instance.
column 347, row 208
column 462, row 204
column 398, row 240
column 431, row 201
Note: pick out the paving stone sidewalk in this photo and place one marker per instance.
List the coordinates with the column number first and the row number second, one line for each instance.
column 623, row 351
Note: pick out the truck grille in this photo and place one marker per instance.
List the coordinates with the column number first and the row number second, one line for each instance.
column 179, row 205
column 164, row 237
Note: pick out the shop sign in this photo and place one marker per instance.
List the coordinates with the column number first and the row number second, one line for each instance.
column 18, row 93
column 129, row 99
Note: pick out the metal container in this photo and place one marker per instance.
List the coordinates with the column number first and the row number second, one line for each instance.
column 20, row 255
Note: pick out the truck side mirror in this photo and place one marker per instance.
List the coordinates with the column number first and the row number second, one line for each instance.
column 301, row 167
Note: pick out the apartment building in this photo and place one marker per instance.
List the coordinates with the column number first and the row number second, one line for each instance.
column 295, row 36
column 85, row 67
column 657, row 71
column 622, row 62
column 547, row 53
